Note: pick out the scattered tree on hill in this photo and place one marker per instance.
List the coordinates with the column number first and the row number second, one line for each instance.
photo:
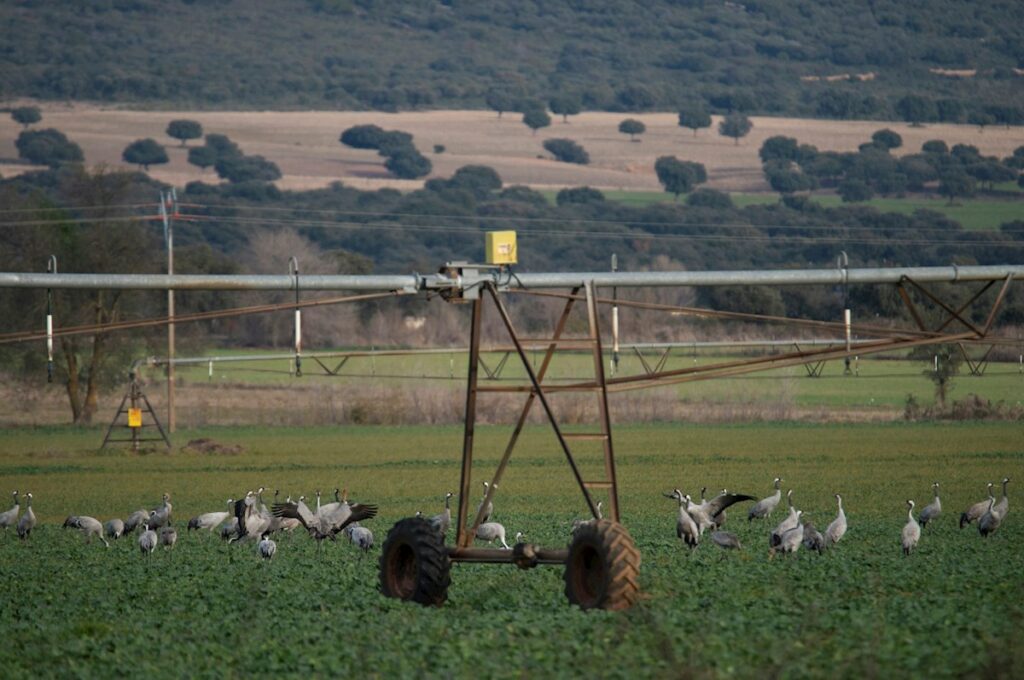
column 854, row 191
column 943, row 364
column 567, row 151
column 679, row 177
column 935, row 146
column 565, row 105
column 362, row 137
column 202, row 156
column 981, row 119
column 536, row 118
column 222, row 146
column 635, row 98
column 26, row 115
column 144, row 153
column 479, row 180
column 408, row 163
column 779, row 148
column 239, row 169
column 735, row 125
column 579, row 196
column 955, row 183
column 709, row 198
column 394, row 141
column 501, row 100
column 632, row 127
column 184, row 130
column 48, row 147
column 887, row 139
column 694, row 117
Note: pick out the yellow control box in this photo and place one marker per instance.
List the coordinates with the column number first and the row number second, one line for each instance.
column 501, row 247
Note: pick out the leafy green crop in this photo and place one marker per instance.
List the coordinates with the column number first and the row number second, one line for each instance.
column 207, row 609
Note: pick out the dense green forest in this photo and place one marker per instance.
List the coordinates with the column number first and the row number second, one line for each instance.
column 599, row 55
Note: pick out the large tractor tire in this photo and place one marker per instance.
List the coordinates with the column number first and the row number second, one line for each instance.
column 603, row 567
column 414, row 563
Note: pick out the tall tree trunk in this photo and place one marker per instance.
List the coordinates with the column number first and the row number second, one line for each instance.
column 92, row 388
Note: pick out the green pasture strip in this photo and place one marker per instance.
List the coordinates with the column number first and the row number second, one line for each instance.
column 213, row 610
column 878, row 382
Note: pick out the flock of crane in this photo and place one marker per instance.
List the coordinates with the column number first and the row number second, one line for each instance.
column 249, row 519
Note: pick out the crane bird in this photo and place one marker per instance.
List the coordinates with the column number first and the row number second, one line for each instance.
column 9, row 518
column 710, row 514
column 28, row 521
column 686, row 528
column 210, row 520
column 1003, row 506
column 977, row 510
column 326, row 526
column 837, row 528
column 911, row 530
column 490, row 504
column 114, row 528
column 168, row 537
column 442, row 521
column 791, row 540
column 161, row 516
column 931, row 511
column 266, row 547
column 88, row 526
column 764, row 507
column 136, row 519
column 147, row 539
column 792, row 519
column 725, row 539
column 991, row 520
column 360, row 536
column 812, row 539
column 252, row 520
column 577, row 523
column 491, row 532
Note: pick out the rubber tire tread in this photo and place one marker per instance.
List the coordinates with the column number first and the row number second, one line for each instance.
column 621, row 558
column 433, row 575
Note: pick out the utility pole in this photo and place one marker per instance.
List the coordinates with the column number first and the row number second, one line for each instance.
column 169, row 200
column 615, row 318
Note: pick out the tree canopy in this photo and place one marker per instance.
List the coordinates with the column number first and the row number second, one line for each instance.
column 567, row 151
column 679, row 177
column 536, row 118
column 735, row 125
column 632, row 127
column 26, row 115
column 48, row 147
column 144, row 153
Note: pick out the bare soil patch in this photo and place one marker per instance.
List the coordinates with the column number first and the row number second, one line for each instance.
column 305, row 144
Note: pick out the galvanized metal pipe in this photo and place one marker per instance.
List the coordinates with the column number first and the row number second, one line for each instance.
column 435, row 282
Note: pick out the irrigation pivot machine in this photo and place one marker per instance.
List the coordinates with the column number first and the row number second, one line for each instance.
column 601, row 563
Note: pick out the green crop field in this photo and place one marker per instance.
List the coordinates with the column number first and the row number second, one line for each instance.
column 954, row 608
column 976, row 213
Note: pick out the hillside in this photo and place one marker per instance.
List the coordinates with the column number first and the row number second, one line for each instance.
column 827, row 59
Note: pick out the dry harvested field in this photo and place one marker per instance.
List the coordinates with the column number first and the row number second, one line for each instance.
column 305, row 144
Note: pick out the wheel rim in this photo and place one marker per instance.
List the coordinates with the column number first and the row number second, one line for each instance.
column 402, row 571
column 588, row 576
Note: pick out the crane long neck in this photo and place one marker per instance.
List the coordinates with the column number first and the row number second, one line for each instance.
column 910, row 513
column 1005, row 482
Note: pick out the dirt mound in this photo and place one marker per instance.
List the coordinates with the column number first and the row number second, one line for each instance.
column 210, row 447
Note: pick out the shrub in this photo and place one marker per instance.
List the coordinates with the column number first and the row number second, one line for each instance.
column 408, row 163
column 362, row 137
column 567, row 151
column 239, row 169
column 48, row 147
column 579, row 196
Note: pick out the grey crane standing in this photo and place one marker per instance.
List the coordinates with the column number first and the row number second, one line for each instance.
column 210, row 520
column 491, row 532
column 813, row 540
column 442, row 521
column 931, row 512
column 360, row 536
column 161, row 515
column 790, row 541
column 168, row 537
column 28, row 521
column 88, row 526
column 266, row 547
column 9, row 518
column 136, row 519
column 975, row 512
column 792, row 519
column 911, row 530
column 1003, row 506
column 837, row 528
column 686, row 528
column 991, row 520
column 764, row 507
column 147, row 539
column 327, row 526
column 114, row 528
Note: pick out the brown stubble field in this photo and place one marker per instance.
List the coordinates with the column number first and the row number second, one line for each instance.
column 305, row 144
